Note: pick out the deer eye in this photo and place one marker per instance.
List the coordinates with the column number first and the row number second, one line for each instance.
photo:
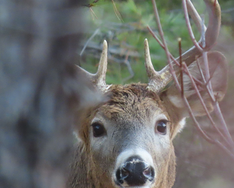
column 98, row 129
column 161, row 126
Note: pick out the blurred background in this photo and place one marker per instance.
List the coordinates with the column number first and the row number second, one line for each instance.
column 40, row 91
column 123, row 24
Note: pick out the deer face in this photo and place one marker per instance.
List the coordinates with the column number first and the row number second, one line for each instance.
column 131, row 134
column 128, row 139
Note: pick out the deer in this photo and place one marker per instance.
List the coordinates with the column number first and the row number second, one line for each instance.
column 127, row 140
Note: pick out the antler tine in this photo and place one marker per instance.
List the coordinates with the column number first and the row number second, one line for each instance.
column 156, row 80
column 211, row 35
column 152, row 74
column 99, row 78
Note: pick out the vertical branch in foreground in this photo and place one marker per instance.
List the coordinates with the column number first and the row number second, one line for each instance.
column 40, row 89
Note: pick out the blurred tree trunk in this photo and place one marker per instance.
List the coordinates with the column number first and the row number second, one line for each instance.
column 39, row 90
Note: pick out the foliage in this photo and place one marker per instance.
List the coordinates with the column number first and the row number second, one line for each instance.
column 127, row 34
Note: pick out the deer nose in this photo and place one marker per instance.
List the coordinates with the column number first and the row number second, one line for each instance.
column 135, row 172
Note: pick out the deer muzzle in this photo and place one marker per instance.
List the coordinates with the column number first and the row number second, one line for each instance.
column 134, row 168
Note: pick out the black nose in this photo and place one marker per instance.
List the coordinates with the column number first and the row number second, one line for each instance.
column 135, row 172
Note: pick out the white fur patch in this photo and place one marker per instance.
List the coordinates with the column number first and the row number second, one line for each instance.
column 132, row 152
column 182, row 124
column 177, row 101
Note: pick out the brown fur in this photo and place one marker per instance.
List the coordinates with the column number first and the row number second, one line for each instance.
column 130, row 101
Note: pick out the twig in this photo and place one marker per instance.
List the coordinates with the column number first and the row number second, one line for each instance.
column 117, row 13
column 189, row 26
column 195, row 16
column 184, row 69
column 204, row 80
column 164, row 43
column 203, row 104
column 93, row 13
column 90, row 38
column 160, row 43
column 220, row 115
column 126, row 62
column 181, row 68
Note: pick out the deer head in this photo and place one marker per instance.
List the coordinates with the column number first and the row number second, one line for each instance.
column 127, row 140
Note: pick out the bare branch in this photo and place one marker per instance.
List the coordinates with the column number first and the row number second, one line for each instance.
column 189, row 26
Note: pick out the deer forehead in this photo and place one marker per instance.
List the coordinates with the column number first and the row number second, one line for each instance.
column 132, row 101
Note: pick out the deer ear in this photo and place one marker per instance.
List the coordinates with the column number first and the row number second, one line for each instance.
column 218, row 72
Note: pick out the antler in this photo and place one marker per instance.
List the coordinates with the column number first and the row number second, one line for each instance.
column 211, row 35
column 99, row 78
column 157, row 80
